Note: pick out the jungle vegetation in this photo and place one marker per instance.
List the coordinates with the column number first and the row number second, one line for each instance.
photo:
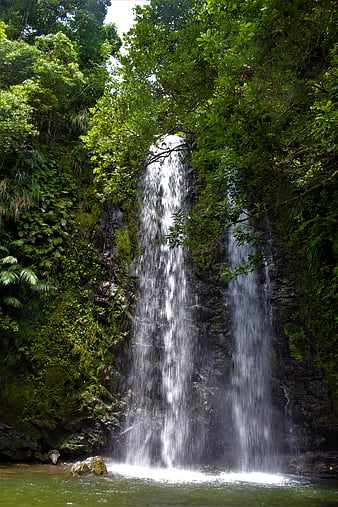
column 251, row 85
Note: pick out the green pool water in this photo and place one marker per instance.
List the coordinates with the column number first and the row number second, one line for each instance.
column 53, row 486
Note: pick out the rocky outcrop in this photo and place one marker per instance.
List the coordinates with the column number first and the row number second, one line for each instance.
column 76, row 440
column 15, row 446
column 86, row 436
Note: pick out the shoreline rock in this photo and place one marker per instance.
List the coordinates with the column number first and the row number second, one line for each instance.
column 93, row 465
column 315, row 465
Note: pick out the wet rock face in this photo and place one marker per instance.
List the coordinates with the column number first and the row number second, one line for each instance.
column 82, row 438
column 14, row 446
column 111, row 220
column 299, row 391
column 85, row 437
column 304, row 420
column 209, row 317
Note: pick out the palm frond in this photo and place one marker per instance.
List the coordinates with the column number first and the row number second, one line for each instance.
column 8, row 278
column 14, row 302
column 9, row 259
column 42, row 287
column 28, row 276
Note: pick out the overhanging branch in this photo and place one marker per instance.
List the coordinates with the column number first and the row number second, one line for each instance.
column 166, row 153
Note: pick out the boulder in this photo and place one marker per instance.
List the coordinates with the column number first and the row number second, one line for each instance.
column 54, row 455
column 94, row 465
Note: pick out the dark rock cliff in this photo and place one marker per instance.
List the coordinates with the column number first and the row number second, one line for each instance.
column 299, row 385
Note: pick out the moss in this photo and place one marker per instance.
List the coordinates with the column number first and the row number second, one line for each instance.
column 123, row 246
column 297, row 341
column 318, row 310
column 94, row 465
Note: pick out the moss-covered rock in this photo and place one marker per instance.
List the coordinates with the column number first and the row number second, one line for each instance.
column 94, row 465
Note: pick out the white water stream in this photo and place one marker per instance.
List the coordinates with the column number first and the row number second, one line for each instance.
column 251, row 376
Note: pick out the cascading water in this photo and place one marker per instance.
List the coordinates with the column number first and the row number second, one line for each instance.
column 251, row 377
column 158, row 426
column 177, row 395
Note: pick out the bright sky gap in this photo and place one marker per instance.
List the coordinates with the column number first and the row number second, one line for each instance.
column 121, row 13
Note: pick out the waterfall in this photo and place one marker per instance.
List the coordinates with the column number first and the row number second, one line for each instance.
column 186, row 407
column 158, row 427
column 251, row 377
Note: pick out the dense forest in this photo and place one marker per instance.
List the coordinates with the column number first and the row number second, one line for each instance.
column 251, row 86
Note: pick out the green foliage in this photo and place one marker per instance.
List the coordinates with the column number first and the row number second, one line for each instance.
column 119, row 141
column 53, row 345
column 252, row 86
column 298, row 342
column 12, row 273
column 124, row 247
column 14, row 282
column 17, row 59
column 66, row 350
column 254, row 261
column 16, row 124
column 178, row 231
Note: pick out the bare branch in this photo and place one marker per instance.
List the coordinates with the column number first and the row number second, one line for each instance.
column 166, row 153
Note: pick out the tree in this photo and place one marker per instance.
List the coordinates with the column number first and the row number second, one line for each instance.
column 80, row 20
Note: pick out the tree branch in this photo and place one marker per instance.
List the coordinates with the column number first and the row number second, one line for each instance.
column 307, row 191
column 167, row 153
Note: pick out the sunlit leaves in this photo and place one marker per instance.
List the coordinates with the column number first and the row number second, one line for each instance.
column 9, row 259
column 122, row 129
column 16, row 60
column 3, row 27
column 11, row 272
column 8, row 277
column 57, row 47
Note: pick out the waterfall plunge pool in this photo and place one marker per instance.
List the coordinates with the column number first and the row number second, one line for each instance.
column 53, row 486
